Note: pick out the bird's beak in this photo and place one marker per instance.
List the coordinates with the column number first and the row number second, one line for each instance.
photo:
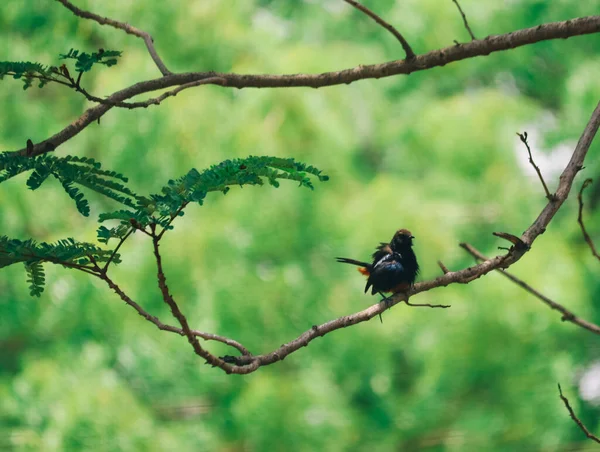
column 412, row 236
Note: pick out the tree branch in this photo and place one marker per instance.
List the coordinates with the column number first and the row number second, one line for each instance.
column 153, row 100
column 164, row 327
column 523, row 137
column 566, row 179
column 436, row 58
column 407, row 49
column 114, row 253
column 443, row 267
column 121, row 26
column 464, row 18
column 586, row 236
column 567, row 315
column 575, row 418
column 168, row 298
column 249, row 363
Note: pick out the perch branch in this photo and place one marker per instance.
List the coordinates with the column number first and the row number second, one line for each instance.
column 463, row 276
column 586, row 236
column 567, row 315
column 407, row 49
column 436, row 58
column 464, row 18
column 121, row 26
column 575, row 418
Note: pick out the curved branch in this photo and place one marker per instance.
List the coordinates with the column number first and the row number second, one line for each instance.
column 121, row 26
column 164, row 327
column 463, row 276
column 168, row 298
column 154, row 100
column 436, row 58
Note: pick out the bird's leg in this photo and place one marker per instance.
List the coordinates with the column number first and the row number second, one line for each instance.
column 386, row 300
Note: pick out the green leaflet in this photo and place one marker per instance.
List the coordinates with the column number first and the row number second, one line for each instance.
column 84, row 61
column 195, row 185
column 69, row 171
column 36, row 278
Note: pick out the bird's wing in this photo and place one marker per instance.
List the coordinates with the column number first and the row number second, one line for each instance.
column 382, row 250
column 388, row 260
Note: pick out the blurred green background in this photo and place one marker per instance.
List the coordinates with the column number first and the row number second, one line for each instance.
column 434, row 152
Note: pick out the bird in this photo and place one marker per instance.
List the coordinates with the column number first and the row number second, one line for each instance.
column 394, row 267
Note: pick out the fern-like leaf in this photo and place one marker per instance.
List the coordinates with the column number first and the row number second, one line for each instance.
column 80, row 202
column 26, row 71
column 69, row 171
column 194, row 186
column 36, row 278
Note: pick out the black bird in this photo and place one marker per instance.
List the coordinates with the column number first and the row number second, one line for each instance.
column 394, row 268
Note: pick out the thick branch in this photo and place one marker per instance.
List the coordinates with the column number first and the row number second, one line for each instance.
column 464, row 18
column 575, row 418
column 436, row 58
column 566, row 314
column 407, row 49
column 566, row 179
column 586, row 236
column 121, row 26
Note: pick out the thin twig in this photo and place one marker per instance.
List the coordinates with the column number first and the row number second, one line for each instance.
column 464, row 18
column 436, row 58
column 154, row 100
column 407, row 49
column 121, row 26
column 175, row 215
column 575, row 418
column 168, row 298
column 114, row 253
column 443, row 267
column 523, row 137
column 164, row 327
column 516, row 241
column 586, row 236
column 567, row 315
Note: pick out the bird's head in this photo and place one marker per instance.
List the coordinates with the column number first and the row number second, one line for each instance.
column 402, row 239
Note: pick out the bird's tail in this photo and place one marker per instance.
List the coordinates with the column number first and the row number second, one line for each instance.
column 365, row 267
column 345, row 260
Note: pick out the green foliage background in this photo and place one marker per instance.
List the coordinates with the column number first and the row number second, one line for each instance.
column 434, row 152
